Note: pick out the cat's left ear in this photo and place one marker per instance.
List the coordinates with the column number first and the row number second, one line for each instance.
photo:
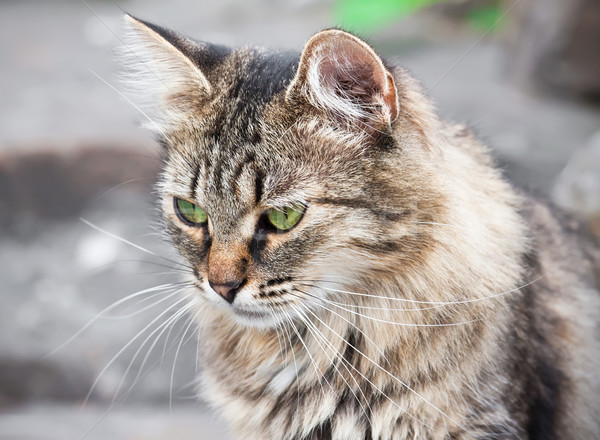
column 175, row 72
column 341, row 74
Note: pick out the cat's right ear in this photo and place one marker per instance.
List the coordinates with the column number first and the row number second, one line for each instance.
column 342, row 75
column 170, row 70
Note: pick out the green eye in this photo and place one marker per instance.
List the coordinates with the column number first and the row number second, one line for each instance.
column 190, row 213
column 285, row 218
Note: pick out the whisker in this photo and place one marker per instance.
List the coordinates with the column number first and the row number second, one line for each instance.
column 143, row 309
column 381, row 352
column 172, row 322
column 197, row 358
column 401, row 309
column 162, row 328
column 117, row 186
column 314, row 363
column 284, row 327
column 318, row 335
column 129, row 101
column 402, row 324
column 155, row 273
column 383, row 393
column 122, row 42
column 440, row 224
column 175, row 270
column 97, row 380
column 123, row 396
column 178, row 269
column 272, row 313
column 106, row 310
column 490, row 29
column 136, row 246
column 181, row 341
column 195, row 302
column 465, row 301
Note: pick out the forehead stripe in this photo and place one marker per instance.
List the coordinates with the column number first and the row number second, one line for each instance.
column 194, row 185
column 234, row 183
column 258, row 186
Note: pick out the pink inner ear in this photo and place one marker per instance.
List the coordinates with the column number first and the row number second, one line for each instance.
column 355, row 74
column 355, row 79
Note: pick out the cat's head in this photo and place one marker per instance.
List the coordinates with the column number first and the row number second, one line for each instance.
column 287, row 176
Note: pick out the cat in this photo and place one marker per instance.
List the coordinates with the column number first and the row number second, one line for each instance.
column 363, row 270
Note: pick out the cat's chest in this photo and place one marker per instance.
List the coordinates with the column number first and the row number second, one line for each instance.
column 266, row 391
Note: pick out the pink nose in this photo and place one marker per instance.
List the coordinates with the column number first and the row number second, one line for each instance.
column 227, row 290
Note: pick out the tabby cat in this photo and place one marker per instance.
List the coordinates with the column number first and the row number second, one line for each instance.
column 362, row 269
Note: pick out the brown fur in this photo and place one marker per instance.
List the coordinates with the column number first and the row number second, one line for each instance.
column 419, row 297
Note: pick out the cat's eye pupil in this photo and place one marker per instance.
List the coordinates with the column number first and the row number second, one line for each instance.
column 190, row 213
column 286, row 218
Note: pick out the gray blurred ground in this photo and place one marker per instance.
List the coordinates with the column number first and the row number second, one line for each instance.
column 70, row 147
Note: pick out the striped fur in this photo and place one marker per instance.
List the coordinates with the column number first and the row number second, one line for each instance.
column 419, row 297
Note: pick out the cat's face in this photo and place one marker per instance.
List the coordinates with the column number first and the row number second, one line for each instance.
column 280, row 178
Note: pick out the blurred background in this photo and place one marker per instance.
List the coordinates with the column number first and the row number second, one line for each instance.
column 76, row 175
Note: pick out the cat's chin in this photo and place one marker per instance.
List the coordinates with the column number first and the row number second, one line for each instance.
column 255, row 318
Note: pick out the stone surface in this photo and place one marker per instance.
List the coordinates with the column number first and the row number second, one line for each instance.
column 63, row 422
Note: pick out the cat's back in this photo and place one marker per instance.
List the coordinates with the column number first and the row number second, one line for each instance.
column 553, row 334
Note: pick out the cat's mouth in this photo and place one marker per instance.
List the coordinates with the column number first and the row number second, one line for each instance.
column 256, row 314
column 255, row 318
column 243, row 308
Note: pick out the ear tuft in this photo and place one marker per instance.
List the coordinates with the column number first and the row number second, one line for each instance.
column 167, row 69
column 341, row 74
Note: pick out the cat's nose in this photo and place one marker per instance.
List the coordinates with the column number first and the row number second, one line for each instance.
column 227, row 290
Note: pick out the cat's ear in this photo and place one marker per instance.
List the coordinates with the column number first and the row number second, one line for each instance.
column 169, row 68
column 343, row 75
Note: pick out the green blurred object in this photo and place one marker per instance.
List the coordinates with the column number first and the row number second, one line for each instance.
column 485, row 18
column 366, row 15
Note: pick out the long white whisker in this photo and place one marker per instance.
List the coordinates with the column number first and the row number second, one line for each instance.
column 125, row 348
column 116, row 237
column 318, row 335
column 386, row 396
column 172, row 321
column 123, row 240
column 172, row 270
column 161, row 328
column 381, row 352
column 440, row 224
column 130, row 102
column 272, row 313
column 356, row 306
column 106, row 310
column 120, row 399
column 191, row 321
column 197, row 358
column 314, row 363
column 405, row 324
column 122, row 42
column 148, row 307
column 465, row 301
column 490, row 29
column 293, row 356
column 117, row 186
